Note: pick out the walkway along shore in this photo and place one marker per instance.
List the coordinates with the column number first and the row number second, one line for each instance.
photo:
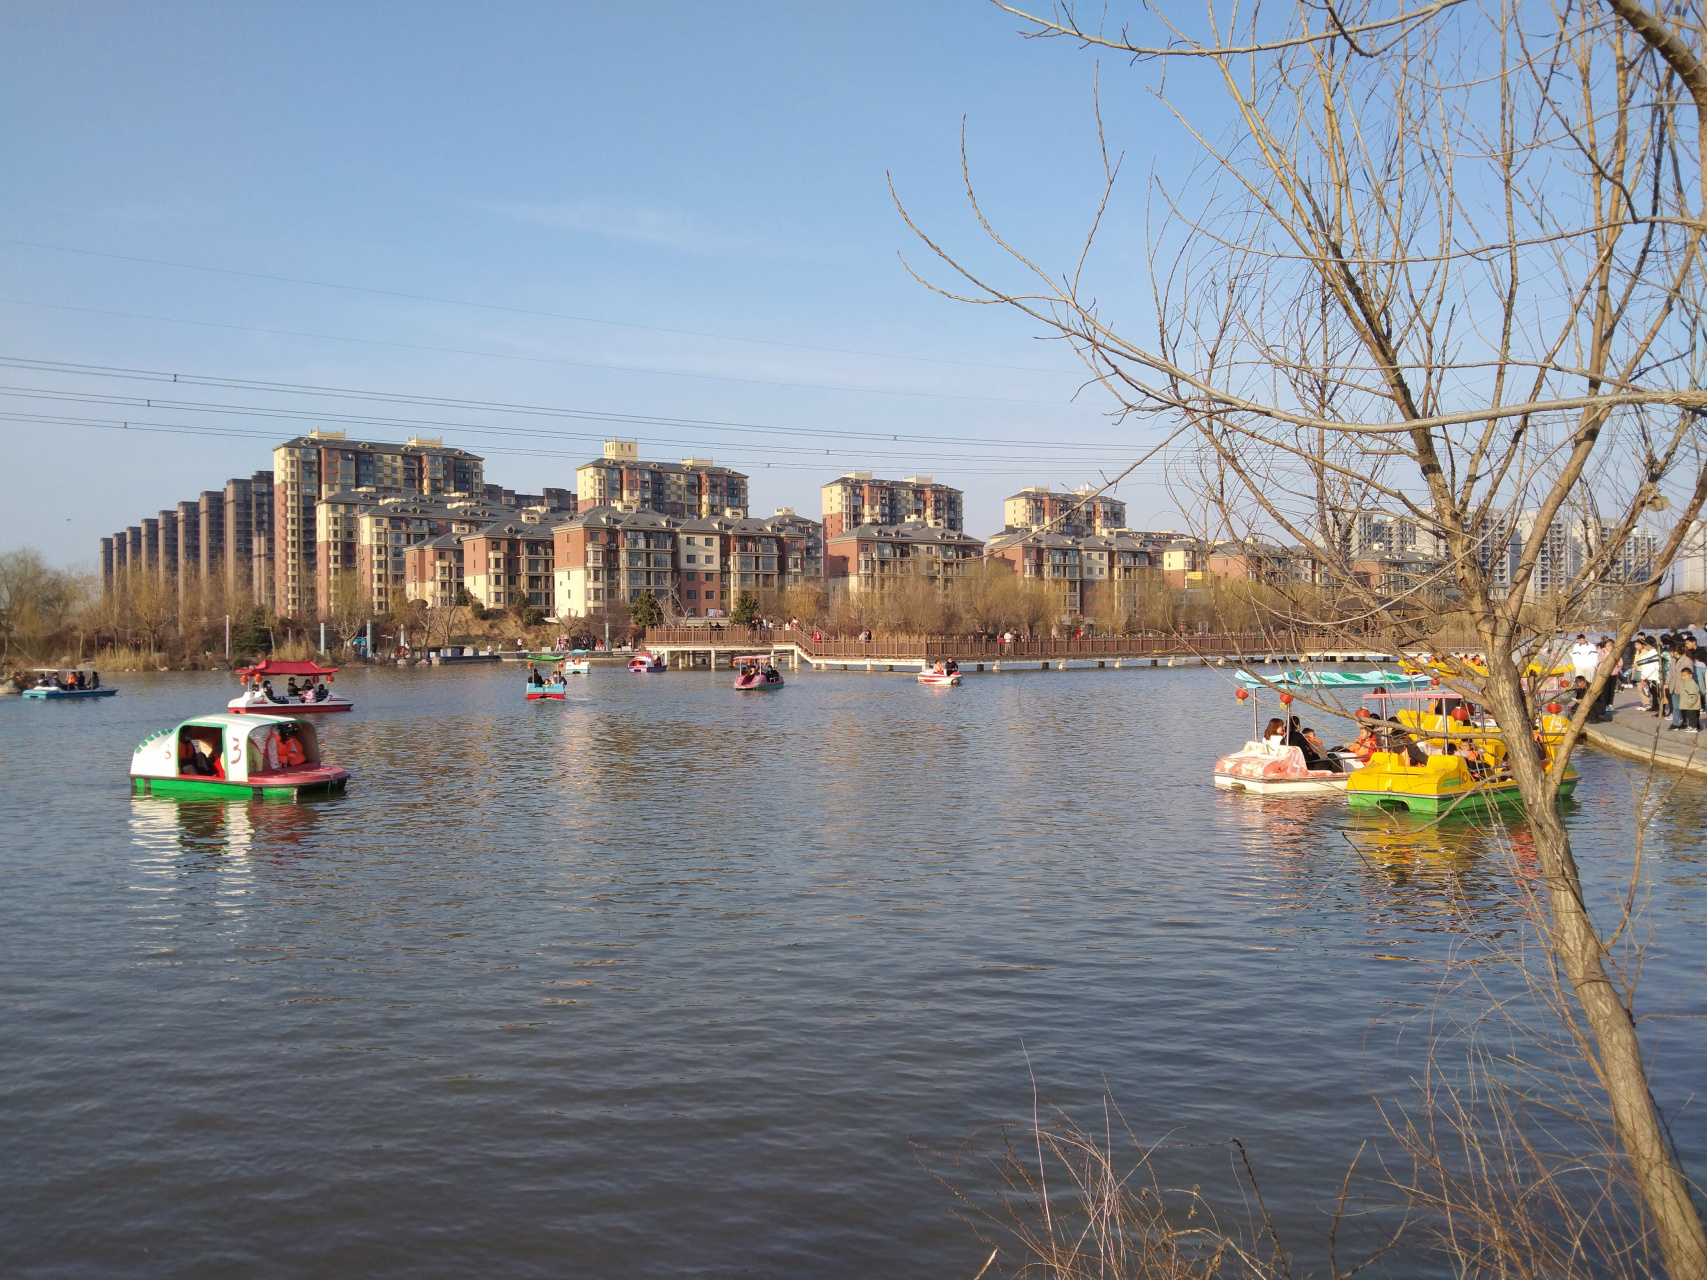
column 686, row 647
column 1640, row 735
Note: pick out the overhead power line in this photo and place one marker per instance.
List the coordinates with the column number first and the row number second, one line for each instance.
column 1014, row 466
column 161, row 376
column 520, row 311
column 505, row 355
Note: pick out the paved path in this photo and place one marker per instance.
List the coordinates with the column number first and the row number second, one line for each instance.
column 1639, row 735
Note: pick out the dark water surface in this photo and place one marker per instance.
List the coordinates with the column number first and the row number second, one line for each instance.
column 666, row 980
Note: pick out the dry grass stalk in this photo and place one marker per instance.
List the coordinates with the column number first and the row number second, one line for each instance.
column 1055, row 1201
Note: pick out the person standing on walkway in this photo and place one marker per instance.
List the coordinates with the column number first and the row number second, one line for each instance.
column 1584, row 657
column 1648, row 672
column 1689, row 698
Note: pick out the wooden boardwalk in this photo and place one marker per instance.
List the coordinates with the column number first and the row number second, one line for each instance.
column 718, row 646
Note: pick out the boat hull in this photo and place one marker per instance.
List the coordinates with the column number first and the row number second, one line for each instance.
column 926, row 678
column 238, row 707
column 763, row 686
column 1326, row 785
column 1265, row 770
column 1483, row 798
column 540, row 693
column 271, row 786
column 57, row 695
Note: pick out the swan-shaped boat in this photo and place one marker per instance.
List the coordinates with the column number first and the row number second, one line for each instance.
column 647, row 664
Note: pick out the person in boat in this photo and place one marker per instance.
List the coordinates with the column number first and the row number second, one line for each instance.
column 322, row 692
column 1401, row 743
column 1365, row 744
column 533, row 678
column 1316, row 757
column 952, row 667
column 771, row 674
column 94, row 679
column 1274, row 734
column 206, row 760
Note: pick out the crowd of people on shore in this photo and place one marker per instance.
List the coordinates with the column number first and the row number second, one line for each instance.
column 1669, row 670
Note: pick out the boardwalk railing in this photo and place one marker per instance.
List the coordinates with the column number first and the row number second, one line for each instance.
column 964, row 648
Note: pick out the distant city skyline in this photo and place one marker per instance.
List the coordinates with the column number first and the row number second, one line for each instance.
column 685, row 235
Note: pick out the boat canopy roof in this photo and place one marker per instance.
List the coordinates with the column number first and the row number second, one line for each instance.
column 275, row 667
column 1416, row 695
column 240, row 723
column 1304, row 678
column 752, row 657
column 547, row 657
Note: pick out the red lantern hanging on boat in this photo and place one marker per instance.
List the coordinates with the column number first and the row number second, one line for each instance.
column 1286, row 699
column 1460, row 714
column 1241, row 694
column 1553, row 708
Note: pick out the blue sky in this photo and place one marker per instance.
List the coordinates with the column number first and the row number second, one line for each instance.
column 696, row 197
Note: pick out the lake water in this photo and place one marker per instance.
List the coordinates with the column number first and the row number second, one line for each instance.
column 665, row 980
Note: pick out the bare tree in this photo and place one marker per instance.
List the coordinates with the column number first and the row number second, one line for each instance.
column 1441, row 280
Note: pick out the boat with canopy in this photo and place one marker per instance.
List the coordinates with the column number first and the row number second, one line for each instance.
column 1284, row 765
column 59, row 684
column 756, row 674
column 1437, row 752
column 1304, row 678
column 647, row 664
column 225, row 755
column 259, row 697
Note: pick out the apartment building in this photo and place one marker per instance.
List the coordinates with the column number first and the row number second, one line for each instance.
column 432, row 570
column 323, row 463
column 1254, row 560
column 802, row 547
column 856, row 498
column 511, row 564
column 554, row 500
column 605, row 556
column 872, row 557
column 1184, row 562
column 1077, row 513
column 1057, row 559
column 694, row 487
column 365, row 537
column 694, row 567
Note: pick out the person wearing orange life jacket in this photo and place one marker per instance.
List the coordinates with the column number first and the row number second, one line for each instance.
column 290, row 749
column 273, row 752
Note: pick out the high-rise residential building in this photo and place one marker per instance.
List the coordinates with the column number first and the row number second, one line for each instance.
column 249, row 538
column 189, row 540
column 1078, row 513
column 1689, row 570
column 210, row 536
column 857, row 498
column 324, row 463
column 694, row 487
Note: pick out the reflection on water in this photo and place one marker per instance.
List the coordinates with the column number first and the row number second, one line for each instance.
column 663, row 978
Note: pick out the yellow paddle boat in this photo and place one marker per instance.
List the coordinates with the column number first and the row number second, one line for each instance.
column 1438, row 758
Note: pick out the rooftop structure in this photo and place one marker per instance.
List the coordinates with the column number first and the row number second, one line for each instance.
column 1079, row 512
column 857, row 498
column 691, row 487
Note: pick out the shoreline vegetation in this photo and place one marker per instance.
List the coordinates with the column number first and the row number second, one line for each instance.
column 145, row 623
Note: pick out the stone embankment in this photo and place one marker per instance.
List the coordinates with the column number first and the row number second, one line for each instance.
column 1638, row 734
